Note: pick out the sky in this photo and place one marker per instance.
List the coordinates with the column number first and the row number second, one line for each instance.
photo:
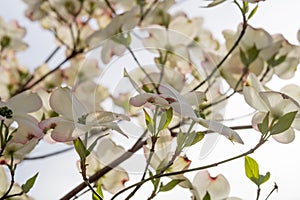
column 282, row 161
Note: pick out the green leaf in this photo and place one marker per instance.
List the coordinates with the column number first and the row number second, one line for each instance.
column 243, row 57
column 207, row 196
column 99, row 192
column 252, row 170
column 283, row 123
column 165, row 119
column 149, row 122
column 181, row 137
column 265, row 178
column 252, row 54
column 274, row 62
column 169, row 186
column 193, row 138
column 29, row 183
column 264, row 126
column 253, row 12
column 81, row 150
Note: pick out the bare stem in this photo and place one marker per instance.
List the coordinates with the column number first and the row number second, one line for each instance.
column 49, row 154
column 235, row 45
column 261, row 141
column 138, row 145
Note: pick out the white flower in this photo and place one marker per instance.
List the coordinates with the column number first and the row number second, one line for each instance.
column 218, row 187
column 106, row 152
column 276, row 103
column 16, row 109
column 75, row 119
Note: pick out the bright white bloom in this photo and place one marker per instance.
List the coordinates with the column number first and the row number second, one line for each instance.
column 75, row 119
column 276, row 103
column 16, row 109
column 218, row 187
column 183, row 105
column 106, row 152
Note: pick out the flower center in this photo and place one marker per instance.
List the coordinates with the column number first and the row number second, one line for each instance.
column 82, row 119
column 6, row 112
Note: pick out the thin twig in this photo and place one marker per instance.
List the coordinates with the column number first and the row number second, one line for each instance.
column 245, row 25
column 49, row 154
column 138, row 145
column 261, row 141
column 274, row 188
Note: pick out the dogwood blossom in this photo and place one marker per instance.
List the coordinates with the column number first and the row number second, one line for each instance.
column 106, row 152
column 183, row 104
column 75, row 120
column 16, row 109
column 275, row 103
column 217, row 187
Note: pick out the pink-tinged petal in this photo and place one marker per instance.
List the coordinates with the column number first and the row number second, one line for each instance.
column 142, row 99
column 253, row 99
column 115, row 180
column 21, row 150
column 63, row 130
column 28, row 128
column 285, row 137
column 221, row 129
column 218, row 187
column 26, row 102
column 66, row 104
column 180, row 163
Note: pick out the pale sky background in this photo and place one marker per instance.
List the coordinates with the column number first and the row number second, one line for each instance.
column 60, row 174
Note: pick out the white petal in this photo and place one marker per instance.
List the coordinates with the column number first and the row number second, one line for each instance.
column 258, row 118
column 114, row 180
column 107, row 151
column 28, row 128
column 63, row 130
column 296, row 122
column 252, row 97
column 218, row 187
column 26, row 102
column 278, row 103
column 4, row 184
column 66, row 104
column 220, row 128
column 285, row 137
column 195, row 98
